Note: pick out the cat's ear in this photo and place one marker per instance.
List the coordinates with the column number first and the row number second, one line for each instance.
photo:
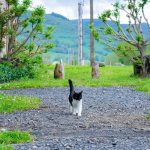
column 81, row 92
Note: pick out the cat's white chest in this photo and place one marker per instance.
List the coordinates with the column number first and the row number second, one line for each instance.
column 76, row 107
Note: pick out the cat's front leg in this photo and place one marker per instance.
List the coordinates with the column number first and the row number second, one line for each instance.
column 79, row 112
column 70, row 108
column 74, row 111
column 80, row 108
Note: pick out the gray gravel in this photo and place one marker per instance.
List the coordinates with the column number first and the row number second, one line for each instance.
column 114, row 118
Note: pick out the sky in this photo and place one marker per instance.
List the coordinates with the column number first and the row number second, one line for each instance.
column 69, row 8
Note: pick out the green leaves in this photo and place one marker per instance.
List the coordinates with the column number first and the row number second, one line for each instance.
column 17, row 20
column 9, row 73
column 139, row 38
column 25, row 23
column 130, row 6
column 48, row 32
column 1, row 45
column 31, row 46
column 39, row 28
column 49, row 45
column 126, row 50
column 143, row 3
column 129, row 30
column 108, row 31
column 12, row 2
column 11, row 31
column 94, row 32
column 37, row 15
column 19, row 8
column 105, row 15
column 26, row 2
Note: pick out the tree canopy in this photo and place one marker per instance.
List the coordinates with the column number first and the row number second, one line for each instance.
column 132, row 35
column 17, row 21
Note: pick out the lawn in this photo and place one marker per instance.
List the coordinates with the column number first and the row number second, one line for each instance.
column 13, row 137
column 81, row 76
column 10, row 104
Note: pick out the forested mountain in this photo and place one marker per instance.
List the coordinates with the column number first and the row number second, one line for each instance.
column 65, row 38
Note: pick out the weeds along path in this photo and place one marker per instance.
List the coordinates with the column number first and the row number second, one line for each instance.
column 113, row 118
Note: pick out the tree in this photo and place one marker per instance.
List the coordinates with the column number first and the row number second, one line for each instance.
column 3, row 22
column 24, row 28
column 133, row 33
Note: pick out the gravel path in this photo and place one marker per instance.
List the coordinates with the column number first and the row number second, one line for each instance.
column 114, row 118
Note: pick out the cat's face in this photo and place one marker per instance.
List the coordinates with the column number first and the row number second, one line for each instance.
column 77, row 96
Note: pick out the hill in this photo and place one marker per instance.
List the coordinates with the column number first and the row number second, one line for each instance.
column 65, row 37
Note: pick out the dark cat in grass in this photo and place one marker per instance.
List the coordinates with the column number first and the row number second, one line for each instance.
column 75, row 100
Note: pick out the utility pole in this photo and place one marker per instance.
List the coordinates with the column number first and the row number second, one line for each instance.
column 68, row 56
column 80, row 34
column 91, row 35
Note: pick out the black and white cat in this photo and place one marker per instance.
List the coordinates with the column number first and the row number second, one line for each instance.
column 75, row 100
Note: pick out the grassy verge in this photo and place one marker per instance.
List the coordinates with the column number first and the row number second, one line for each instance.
column 9, row 104
column 148, row 116
column 13, row 137
column 5, row 147
column 81, row 76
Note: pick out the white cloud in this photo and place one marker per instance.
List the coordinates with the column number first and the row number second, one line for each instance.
column 69, row 8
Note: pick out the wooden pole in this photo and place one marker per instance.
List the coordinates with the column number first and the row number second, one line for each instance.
column 80, row 36
column 91, row 35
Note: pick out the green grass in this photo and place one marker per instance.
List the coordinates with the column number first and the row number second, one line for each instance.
column 9, row 104
column 13, row 137
column 5, row 147
column 148, row 116
column 81, row 76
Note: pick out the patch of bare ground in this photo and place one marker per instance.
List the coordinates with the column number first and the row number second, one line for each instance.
column 113, row 118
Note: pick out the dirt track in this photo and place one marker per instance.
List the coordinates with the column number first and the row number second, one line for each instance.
column 114, row 118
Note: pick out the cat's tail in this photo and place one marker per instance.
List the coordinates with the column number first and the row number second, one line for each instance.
column 71, row 86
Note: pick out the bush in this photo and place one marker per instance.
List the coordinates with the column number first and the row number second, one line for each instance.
column 101, row 64
column 8, row 72
column 19, row 67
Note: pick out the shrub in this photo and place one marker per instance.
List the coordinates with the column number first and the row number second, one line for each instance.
column 9, row 72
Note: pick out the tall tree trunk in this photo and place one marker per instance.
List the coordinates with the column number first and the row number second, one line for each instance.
column 95, row 71
column 143, row 61
column 10, row 41
column 3, row 51
column 144, row 71
column 91, row 35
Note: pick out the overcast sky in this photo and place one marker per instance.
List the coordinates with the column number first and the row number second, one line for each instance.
column 69, row 8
